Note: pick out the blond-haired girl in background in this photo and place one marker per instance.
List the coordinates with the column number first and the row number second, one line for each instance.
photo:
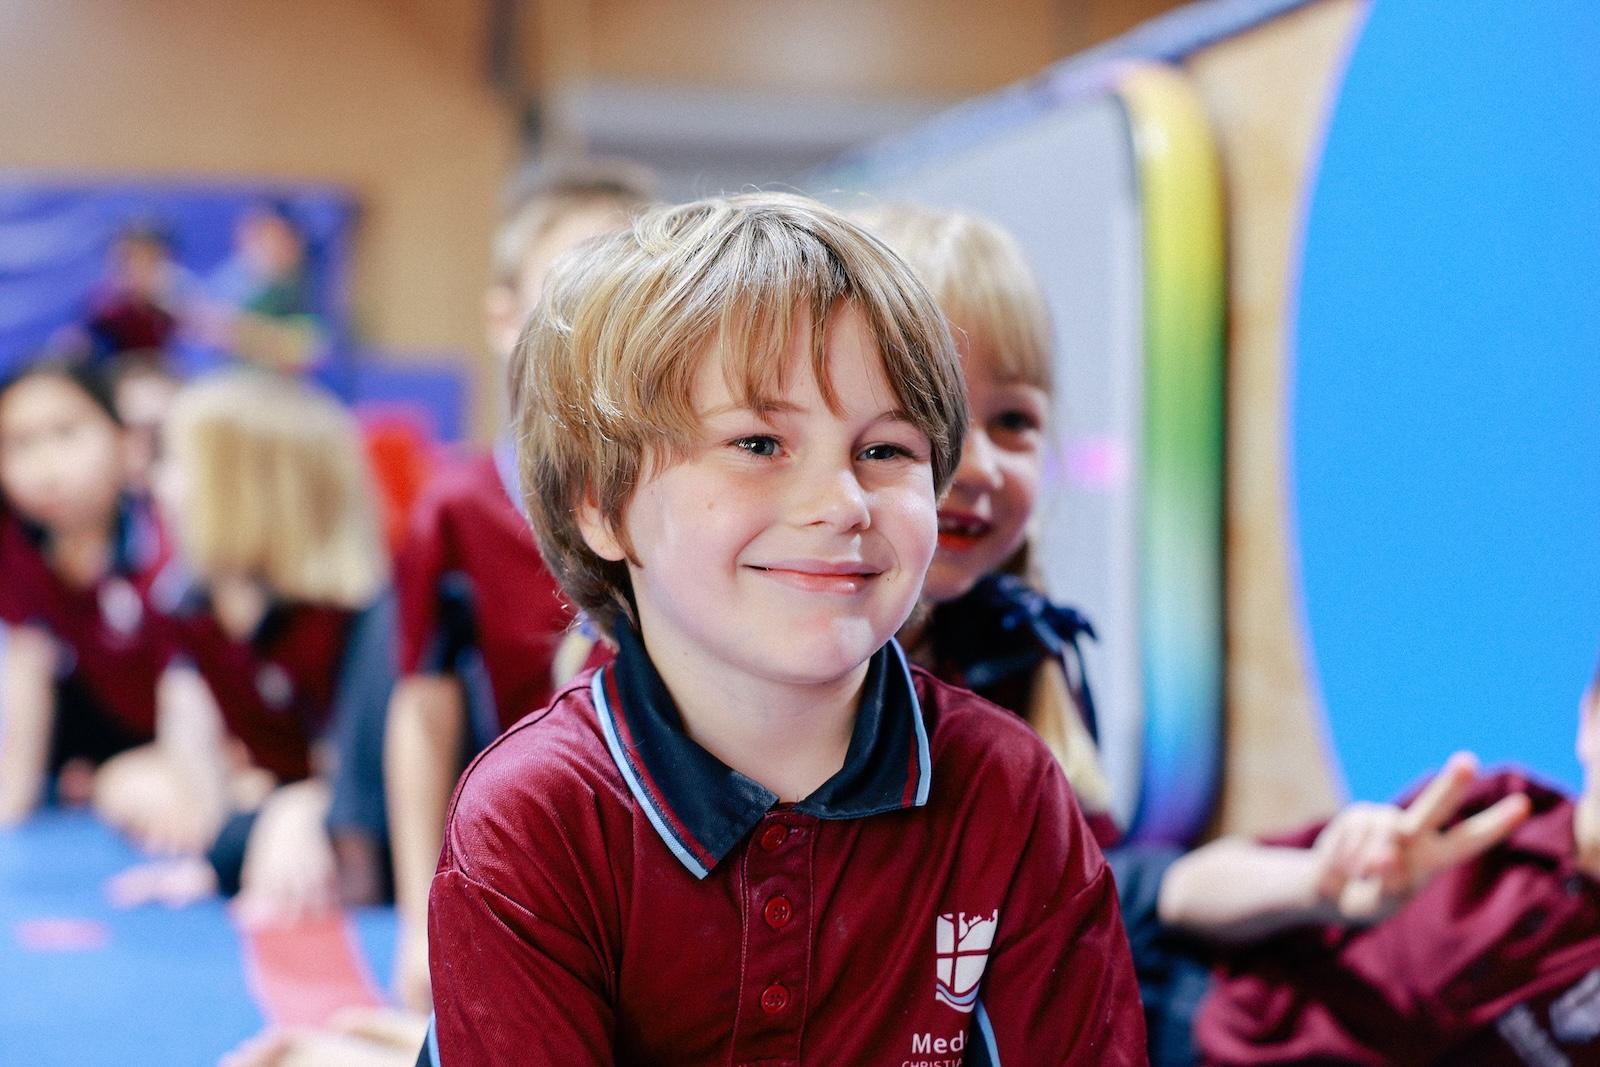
column 281, row 607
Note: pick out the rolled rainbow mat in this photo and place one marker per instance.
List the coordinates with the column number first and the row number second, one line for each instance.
column 1181, row 466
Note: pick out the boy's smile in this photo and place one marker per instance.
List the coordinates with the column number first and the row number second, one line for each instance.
column 789, row 543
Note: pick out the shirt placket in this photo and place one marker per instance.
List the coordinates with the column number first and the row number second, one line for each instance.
column 778, row 935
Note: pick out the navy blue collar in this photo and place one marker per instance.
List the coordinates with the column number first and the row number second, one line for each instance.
column 702, row 808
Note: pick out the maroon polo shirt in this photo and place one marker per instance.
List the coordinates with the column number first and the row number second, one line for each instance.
column 110, row 638
column 276, row 688
column 609, row 892
column 473, row 589
column 1495, row 962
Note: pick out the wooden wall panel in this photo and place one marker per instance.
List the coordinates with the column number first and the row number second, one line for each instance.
column 1268, row 91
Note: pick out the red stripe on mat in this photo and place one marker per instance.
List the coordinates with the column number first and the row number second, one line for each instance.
column 302, row 974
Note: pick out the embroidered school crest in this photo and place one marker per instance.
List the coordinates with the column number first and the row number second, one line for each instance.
column 961, row 950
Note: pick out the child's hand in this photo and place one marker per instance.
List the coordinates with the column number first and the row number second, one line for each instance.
column 289, row 867
column 143, row 795
column 1375, row 857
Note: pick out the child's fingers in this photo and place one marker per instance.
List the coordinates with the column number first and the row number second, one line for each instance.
column 1441, row 798
column 1362, row 899
column 1483, row 831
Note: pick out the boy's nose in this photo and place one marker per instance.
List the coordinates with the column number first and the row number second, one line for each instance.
column 978, row 469
column 833, row 497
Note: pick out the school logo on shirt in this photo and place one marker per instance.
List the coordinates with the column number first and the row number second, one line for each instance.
column 961, row 947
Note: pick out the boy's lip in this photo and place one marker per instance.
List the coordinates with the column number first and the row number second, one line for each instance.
column 819, row 575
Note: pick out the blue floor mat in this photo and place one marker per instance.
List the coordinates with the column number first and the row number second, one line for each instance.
column 84, row 983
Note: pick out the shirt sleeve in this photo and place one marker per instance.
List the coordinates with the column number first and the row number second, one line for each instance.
column 517, row 934
column 420, row 566
column 1059, row 987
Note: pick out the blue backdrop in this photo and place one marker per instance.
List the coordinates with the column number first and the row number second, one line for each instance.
column 1446, row 447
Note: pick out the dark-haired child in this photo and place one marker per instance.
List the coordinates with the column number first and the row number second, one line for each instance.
column 79, row 556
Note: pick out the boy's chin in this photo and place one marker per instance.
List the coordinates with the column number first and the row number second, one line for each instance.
column 800, row 658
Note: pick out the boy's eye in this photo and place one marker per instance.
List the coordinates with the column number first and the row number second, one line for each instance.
column 885, row 451
column 758, row 445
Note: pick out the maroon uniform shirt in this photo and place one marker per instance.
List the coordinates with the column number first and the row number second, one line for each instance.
column 466, row 545
column 1496, row 961
column 112, row 643
column 609, row 892
column 276, row 689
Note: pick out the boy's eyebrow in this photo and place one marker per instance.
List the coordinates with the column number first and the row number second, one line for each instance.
column 760, row 407
column 789, row 407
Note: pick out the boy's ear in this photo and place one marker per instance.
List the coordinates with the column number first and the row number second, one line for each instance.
column 501, row 322
column 597, row 531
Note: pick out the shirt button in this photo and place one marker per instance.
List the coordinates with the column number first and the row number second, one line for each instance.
column 773, row 836
column 774, row 999
column 778, row 912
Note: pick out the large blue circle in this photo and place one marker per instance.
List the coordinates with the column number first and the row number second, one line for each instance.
column 1446, row 406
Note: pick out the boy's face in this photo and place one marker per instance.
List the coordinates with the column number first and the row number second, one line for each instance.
column 786, row 546
column 60, row 455
column 984, row 517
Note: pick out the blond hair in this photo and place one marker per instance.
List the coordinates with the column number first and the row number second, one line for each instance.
column 981, row 278
column 276, row 488
column 542, row 197
column 603, row 376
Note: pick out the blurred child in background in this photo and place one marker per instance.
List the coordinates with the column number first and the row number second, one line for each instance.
column 480, row 617
column 263, row 308
column 286, row 617
column 140, row 304
column 79, row 557
column 143, row 385
column 984, row 626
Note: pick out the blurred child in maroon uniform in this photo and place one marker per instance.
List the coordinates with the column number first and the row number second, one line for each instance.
column 983, row 625
column 1461, row 926
column 286, row 618
column 480, row 617
column 84, row 650
column 143, row 298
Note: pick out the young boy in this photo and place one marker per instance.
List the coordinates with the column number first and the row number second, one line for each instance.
column 759, row 835
column 465, row 643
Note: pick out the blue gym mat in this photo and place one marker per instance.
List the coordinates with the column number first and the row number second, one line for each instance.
column 82, row 982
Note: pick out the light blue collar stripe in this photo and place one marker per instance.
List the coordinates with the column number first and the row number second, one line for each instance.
column 431, row 1047
column 609, row 728
column 924, row 761
column 986, row 1032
